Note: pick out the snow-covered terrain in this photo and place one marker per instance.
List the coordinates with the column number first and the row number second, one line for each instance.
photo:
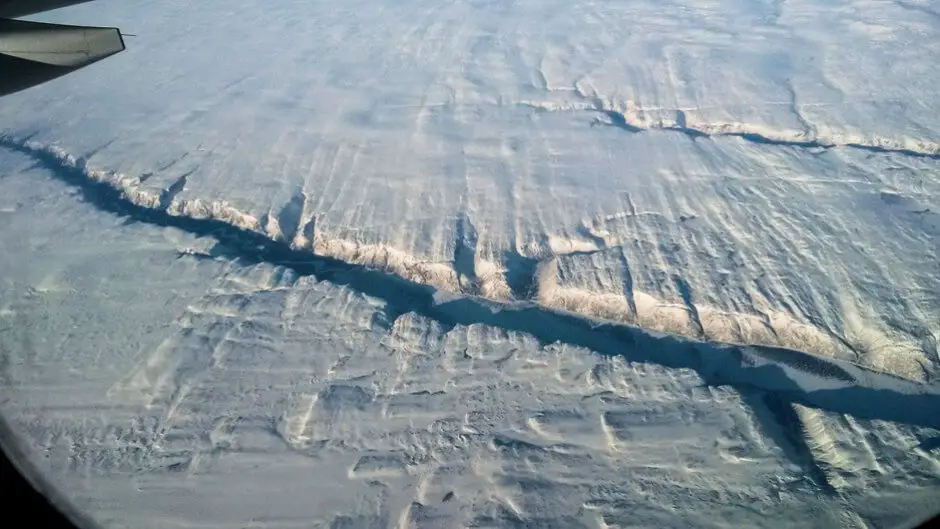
column 481, row 264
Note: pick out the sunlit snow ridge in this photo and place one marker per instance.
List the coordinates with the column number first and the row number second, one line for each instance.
column 799, row 377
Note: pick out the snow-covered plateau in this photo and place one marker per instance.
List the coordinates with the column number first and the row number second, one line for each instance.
column 480, row 263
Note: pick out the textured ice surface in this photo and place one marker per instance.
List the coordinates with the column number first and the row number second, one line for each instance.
column 398, row 261
column 757, row 172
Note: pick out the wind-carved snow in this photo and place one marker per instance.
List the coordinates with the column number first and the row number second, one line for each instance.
column 398, row 404
column 726, row 364
column 531, row 214
column 752, row 208
column 546, row 273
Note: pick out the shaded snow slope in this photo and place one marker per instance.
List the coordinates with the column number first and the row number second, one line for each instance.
column 827, row 305
column 268, row 386
column 804, row 376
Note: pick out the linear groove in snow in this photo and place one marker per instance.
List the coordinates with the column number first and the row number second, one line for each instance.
column 792, row 375
column 628, row 120
column 910, row 6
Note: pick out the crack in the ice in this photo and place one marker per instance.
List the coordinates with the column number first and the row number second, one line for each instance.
column 289, row 219
column 521, row 274
column 599, row 242
column 682, row 124
column 685, row 292
column 803, row 378
column 884, row 150
column 628, row 284
column 917, row 8
column 619, row 120
column 809, row 130
column 465, row 248
column 780, row 422
column 170, row 193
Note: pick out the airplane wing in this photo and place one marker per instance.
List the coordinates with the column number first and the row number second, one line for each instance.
column 32, row 53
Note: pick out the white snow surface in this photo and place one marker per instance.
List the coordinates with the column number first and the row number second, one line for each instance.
column 480, row 263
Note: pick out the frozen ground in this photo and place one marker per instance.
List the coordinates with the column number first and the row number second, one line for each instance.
column 481, row 263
